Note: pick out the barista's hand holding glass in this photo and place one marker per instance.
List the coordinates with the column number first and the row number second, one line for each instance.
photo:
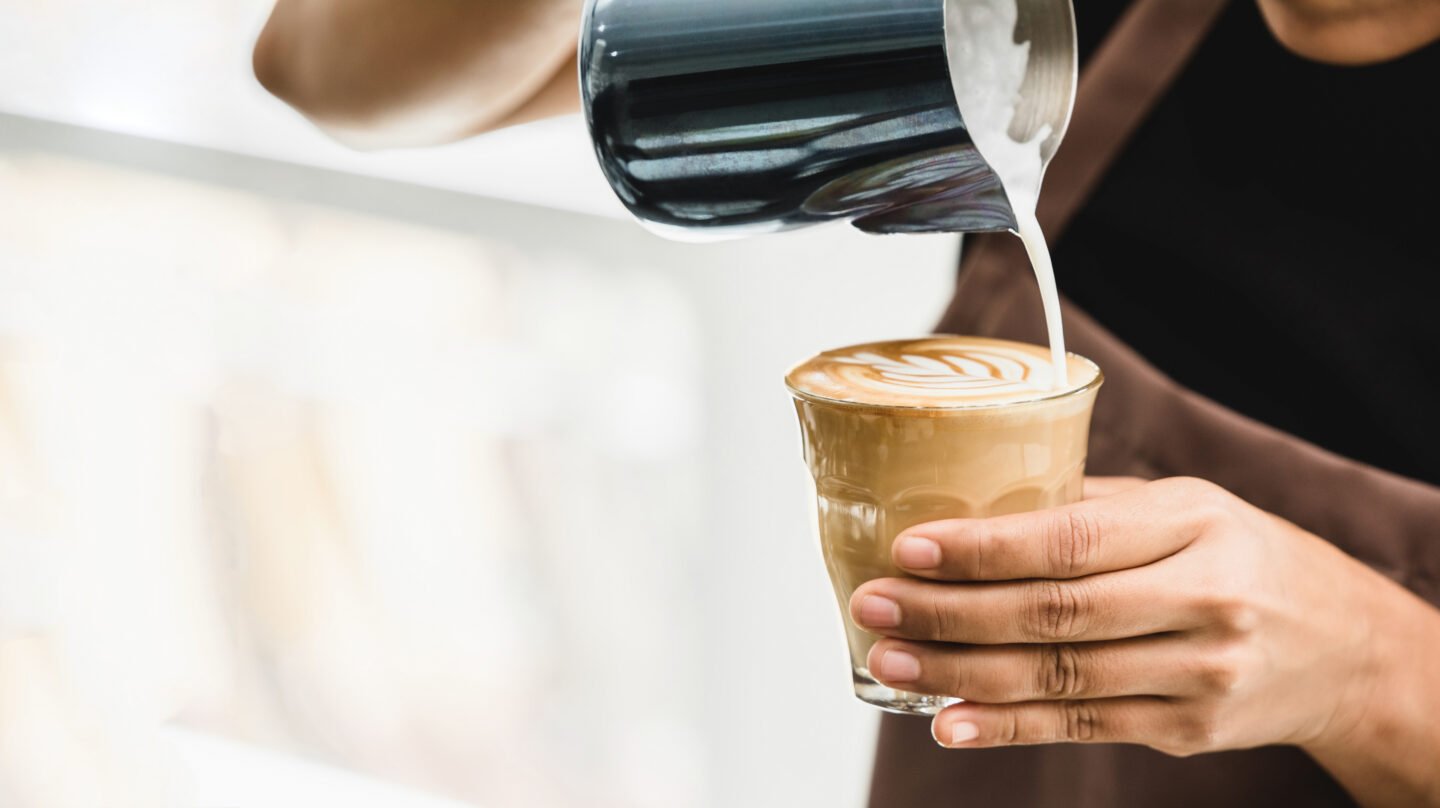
column 1169, row 614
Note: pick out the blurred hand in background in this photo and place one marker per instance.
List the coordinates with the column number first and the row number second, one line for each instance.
column 377, row 73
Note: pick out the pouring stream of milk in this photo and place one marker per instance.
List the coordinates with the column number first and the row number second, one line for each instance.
column 987, row 68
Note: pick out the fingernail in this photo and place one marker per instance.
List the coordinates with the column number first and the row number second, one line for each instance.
column 916, row 553
column 963, row 732
column 879, row 612
column 898, row 666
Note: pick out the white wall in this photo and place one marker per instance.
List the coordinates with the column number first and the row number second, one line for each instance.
column 765, row 680
column 788, row 730
column 179, row 70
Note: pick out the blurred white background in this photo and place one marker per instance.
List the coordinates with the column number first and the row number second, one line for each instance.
column 339, row 478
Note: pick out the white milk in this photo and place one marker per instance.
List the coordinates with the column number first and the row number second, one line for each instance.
column 987, row 68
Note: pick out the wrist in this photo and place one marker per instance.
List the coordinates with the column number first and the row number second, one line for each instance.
column 1381, row 741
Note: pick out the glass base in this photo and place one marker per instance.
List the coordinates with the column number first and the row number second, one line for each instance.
column 897, row 701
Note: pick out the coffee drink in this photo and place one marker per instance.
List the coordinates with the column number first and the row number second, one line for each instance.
column 901, row 433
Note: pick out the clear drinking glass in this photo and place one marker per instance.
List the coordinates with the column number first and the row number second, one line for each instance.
column 881, row 469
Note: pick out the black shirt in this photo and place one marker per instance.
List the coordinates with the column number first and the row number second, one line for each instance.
column 1271, row 239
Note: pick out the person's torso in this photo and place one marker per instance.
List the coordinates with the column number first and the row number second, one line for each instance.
column 1263, row 240
column 1268, row 239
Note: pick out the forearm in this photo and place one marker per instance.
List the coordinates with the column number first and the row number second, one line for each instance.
column 413, row 72
column 1353, row 31
column 1385, row 749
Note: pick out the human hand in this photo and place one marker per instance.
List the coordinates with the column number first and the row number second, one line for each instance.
column 1170, row 614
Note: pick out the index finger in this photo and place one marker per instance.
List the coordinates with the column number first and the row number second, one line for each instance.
column 1137, row 526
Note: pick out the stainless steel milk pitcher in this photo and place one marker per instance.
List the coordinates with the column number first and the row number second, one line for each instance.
column 731, row 117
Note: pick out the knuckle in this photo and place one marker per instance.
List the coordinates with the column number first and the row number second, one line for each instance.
column 1194, row 487
column 1233, row 615
column 940, row 617
column 1010, row 729
column 960, row 681
column 1210, row 516
column 1081, row 721
column 1210, row 503
column 1056, row 612
column 1059, row 672
column 981, row 541
column 1219, row 680
column 1073, row 543
column 1199, row 731
column 1176, row 748
column 1224, row 673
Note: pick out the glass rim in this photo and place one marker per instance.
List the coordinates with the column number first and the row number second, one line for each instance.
column 940, row 410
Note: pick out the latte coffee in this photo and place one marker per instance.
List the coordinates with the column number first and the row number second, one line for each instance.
column 901, row 433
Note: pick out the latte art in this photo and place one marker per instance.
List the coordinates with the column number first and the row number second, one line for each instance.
column 937, row 372
column 962, row 373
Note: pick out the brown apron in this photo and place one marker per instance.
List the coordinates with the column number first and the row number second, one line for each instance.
column 1146, row 425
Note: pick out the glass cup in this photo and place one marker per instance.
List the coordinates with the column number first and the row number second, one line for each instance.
column 880, row 469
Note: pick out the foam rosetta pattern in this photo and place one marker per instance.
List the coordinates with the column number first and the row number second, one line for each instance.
column 939, row 371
